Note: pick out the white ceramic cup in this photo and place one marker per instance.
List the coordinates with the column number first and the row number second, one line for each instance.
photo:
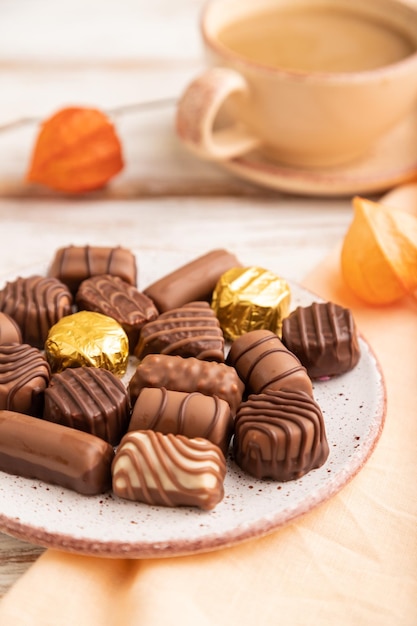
column 299, row 117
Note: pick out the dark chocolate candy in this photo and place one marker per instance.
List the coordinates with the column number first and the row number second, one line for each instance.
column 190, row 374
column 280, row 435
column 35, row 303
column 24, row 376
column 193, row 281
column 34, row 448
column 116, row 298
column 263, row 362
column 90, row 399
column 73, row 264
column 169, row 470
column 191, row 330
column 323, row 336
column 188, row 414
column 9, row 330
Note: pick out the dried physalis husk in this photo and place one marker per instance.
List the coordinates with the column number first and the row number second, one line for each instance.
column 379, row 254
column 77, row 150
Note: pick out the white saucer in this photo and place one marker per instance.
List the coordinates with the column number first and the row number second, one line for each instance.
column 392, row 161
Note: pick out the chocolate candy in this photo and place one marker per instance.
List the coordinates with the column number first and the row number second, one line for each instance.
column 263, row 362
column 87, row 339
column 193, row 281
column 250, row 298
column 280, row 435
column 188, row 414
column 9, row 330
column 24, row 376
column 90, row 399
column 73, row 264
column 191, row 330
column 35, row 303
column 191, row 374
column 56, row 454
column 323, row 336
column 169, row 470
column 112, row 296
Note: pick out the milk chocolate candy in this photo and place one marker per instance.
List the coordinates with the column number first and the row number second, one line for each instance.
column 192, row 281
column 87, row 339
column 89, row 399
column 188, row 414
column 24, row 376
column 9, row 330
column 73, row 264
column 191, row 374
column 280, row 435
column 34, row 448
column 169, row 470
column 112, row 296
column 323, row 336
column 190, row 330
column 250, row 298
column 35, row 303
column 263, row 362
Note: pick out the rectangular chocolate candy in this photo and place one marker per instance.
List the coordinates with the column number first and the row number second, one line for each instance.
column 34, row 448
column 193, row 281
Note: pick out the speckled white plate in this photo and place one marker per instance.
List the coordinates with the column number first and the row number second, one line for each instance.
column 354, row 410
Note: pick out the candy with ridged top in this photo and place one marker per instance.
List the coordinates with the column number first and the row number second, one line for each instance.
column 190, row 330
column 323, row 336
column 90, row 399
column 280, row 435
column 35, row 303
column 24, row 376
column 112, row 296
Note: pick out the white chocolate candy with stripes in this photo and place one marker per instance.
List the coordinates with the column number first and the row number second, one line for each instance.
column 169, row 470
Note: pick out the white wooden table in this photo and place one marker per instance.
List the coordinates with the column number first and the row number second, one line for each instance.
column 107, row 54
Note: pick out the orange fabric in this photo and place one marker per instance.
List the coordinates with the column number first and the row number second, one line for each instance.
column 352, row 560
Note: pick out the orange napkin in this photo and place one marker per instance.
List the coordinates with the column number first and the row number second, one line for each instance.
column 352, row 560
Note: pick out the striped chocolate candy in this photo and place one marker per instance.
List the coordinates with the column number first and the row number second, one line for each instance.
column 169, row 470
column 35, row 303
column 190, row 414
column 90, row 399
column 24, row 376
column 263, row 362
column 323, row 336
column 280, row 435
column 190, row 330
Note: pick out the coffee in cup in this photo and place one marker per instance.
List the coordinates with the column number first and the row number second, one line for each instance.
column 311, row 83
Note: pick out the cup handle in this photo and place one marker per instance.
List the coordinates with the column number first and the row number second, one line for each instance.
column 197, row 111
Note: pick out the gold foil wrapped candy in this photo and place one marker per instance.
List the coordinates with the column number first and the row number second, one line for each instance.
column 250, row 298
column 87, row 339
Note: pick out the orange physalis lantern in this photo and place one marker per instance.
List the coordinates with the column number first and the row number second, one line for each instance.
column 379, row 254
column 77, row 150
